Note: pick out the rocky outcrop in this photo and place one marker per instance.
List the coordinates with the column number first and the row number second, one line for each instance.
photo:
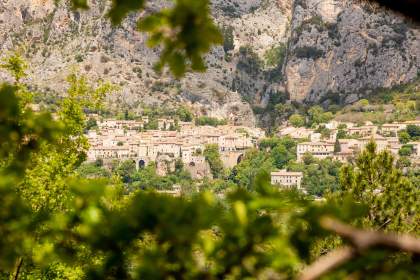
column 57, row 41
column 339, row 51
column 326, row 51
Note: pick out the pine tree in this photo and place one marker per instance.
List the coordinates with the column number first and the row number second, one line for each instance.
column 392, row 199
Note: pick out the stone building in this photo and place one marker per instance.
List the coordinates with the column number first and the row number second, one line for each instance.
column 117, row 139
column 286, row 178
column 319, row 150
column 392, row 128
column 363, row 131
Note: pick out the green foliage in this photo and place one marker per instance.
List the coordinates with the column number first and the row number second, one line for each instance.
column 184, row 114
column 91, row 124
column 281, row 150
column 15, row 65
column 317, row 115
column 319, row 176
column 92, row 170
column 228, row 38
column 249, row 62
column 325, row 132
column 218, row 186
column 212, row 155
column 152, row 124
column 146, row 178
column 337, row 147
column 204, row 120
column 60, row 226
column 392, row 199
column 308, row 53
column 102, row 234
column 79, row 58
column 274, row 153
column 254, row 161
column 341, row 134
column 413, row 131
column 274, row 57
column 403, row 161
column 406, row 150
column 125, row 169
column 398, row 103
column 284, row 111
column 297, row 120
column 403, row 136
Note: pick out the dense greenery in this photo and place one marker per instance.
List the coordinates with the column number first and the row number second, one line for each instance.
column 228, row 39
column 212, row 156
column 411, row 133
column 396, row 208
column 104, row 234
column 296, row 120
column 204, row 120
column 319, row 176
column 56, row 224
column 274, row 57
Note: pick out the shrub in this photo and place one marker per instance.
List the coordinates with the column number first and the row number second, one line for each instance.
column 79, row 58
column 228, row 42
column 308, row 53
column 274, row 57
column 297, row 120
column 204, row 120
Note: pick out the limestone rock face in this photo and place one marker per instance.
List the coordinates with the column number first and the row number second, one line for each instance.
column 343, row 49
column 57, row 41
column 326, row 51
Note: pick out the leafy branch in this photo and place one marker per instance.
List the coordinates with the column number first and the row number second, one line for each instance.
column 361, row 241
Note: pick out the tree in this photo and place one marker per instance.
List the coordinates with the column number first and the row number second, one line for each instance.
column 284, row 110
column 297, row 120
column 341, row 134
column 403, row 136
column 43, row 186
column 274, row 57
column 413, row 131
column 337, row 147
column 228, row 38
column 204, row 120
column 212, row 155
column 308, row 158
column 325, row 132
column 319, row 176
column 184, row 114
column 245, row 173
column 150, row 236
column 315, row 114
column 391, row 197
column 125, row 170
column 406, row 150
column 92, row 170
column 403, row 162
column 363, row 102
column 15, row 65
column 91, row 123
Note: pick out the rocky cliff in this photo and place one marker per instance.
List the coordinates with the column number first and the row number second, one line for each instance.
column 340, row 50
column 306, row 50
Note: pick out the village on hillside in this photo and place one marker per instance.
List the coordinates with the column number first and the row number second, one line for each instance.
column 127, row 139
column 174, row 140
column 342, row 142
